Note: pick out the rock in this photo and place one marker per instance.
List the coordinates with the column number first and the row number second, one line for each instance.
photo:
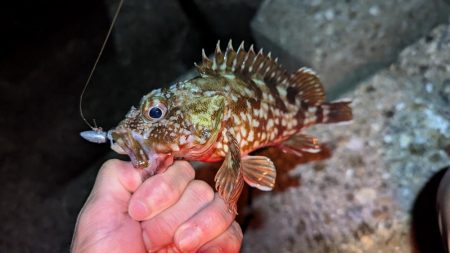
column 152, row 43
column 143, row 26
column 360, row 201
column 344, row 41
column 229, row 19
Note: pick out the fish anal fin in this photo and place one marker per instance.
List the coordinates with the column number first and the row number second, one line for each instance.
column 306, row 85
column 229, row 181
column 259, row 172
column 301, row 143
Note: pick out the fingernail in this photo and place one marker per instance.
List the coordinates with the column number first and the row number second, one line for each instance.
column 189, row 239
column 138, row 210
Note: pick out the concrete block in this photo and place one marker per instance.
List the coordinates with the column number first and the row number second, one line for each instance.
column 344, row 41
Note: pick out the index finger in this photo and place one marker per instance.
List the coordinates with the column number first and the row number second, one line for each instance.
column 161, row 191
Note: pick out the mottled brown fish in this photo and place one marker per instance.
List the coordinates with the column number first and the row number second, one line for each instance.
column 240, row 102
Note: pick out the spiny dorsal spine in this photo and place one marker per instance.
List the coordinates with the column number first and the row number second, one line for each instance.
column 254, row 65
column 259, row 66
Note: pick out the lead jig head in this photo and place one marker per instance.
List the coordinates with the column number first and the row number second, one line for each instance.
column 96, row 136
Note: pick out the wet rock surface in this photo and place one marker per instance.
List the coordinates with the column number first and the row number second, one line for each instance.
column 344, row 41
column 360, row 199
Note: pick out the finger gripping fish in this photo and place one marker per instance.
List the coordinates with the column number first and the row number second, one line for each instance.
column 241, row 101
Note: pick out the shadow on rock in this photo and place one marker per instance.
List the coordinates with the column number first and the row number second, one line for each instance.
column 425, row 229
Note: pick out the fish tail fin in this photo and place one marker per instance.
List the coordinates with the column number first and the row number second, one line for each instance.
column 328, row 113
column 334, row 112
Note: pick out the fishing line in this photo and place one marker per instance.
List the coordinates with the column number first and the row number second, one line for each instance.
column 94, row 126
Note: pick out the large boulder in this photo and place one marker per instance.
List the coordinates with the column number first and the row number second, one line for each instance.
column 344, row 41
column 226, row 19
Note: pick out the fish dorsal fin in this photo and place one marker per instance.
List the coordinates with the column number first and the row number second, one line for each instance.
column 249, row 64
column 305, row 83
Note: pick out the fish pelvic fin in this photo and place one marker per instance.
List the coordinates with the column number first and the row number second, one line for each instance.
column 229, row 180
column 259, row 172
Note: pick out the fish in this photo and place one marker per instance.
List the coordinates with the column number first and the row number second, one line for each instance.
column 241, row 101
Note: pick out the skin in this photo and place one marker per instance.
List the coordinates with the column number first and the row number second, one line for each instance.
column 169, row 212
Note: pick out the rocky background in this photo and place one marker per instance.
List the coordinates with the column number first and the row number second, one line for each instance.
column 376, row 191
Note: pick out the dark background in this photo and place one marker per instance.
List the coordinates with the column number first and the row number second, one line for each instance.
column 47, row 49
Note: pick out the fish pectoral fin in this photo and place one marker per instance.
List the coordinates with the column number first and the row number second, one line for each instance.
column 259, row 172
column 229, row 181
column 303, row 144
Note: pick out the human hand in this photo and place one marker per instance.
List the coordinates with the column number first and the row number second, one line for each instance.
column 167, row 212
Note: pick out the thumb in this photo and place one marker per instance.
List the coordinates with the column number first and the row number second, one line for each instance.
column 116, row 178
column 103, row 222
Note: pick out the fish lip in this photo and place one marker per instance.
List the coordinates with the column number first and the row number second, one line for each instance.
column 142, row 155
column 124, row 141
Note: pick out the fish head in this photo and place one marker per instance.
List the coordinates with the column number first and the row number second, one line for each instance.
column 167, row 125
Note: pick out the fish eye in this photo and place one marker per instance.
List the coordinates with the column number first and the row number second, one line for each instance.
column 157, row 111
column 153, row 109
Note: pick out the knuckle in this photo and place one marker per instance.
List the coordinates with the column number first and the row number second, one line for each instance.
column 108, row 165
column 223, row 209
column 112, row 163
column 218, row 217
column 161, row 227
column 225, row 216
column 110, row 168
column 236, row 232
column 233, row 238
column 162, row 186
column 229, row 241
column 201, row 191
column 187, row 169
column 233, row 246
column 158, row 233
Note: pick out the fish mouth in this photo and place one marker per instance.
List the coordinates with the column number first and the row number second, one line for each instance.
column 142, row 155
